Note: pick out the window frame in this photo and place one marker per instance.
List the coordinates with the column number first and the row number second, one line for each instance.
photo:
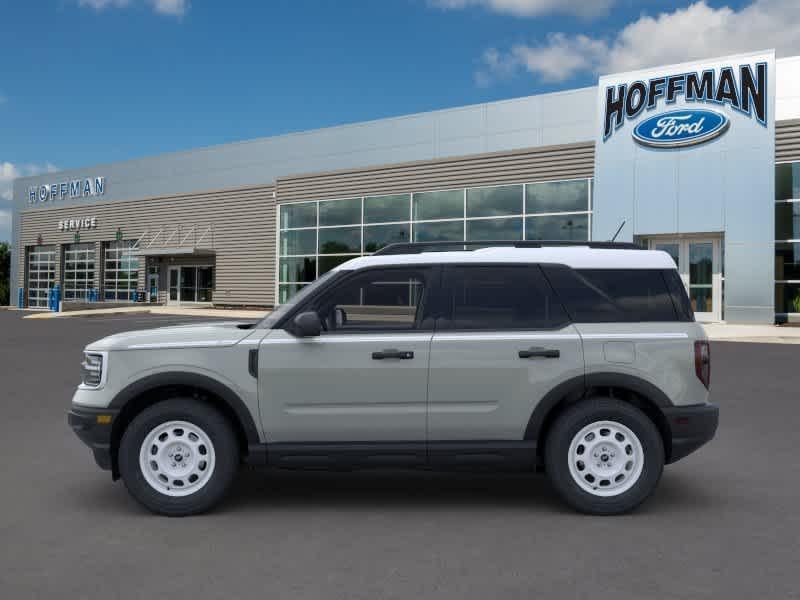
column 444, row 317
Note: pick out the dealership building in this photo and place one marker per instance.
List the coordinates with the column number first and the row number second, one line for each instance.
column 701, row 160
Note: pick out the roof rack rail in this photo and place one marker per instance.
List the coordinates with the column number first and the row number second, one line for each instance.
column 419, row 247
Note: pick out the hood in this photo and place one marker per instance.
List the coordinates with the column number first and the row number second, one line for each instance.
column 200, row 335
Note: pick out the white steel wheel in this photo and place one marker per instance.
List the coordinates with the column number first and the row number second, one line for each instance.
column 177, row 458
column 605, row 458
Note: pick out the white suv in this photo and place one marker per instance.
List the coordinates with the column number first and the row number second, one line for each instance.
column 583, row 360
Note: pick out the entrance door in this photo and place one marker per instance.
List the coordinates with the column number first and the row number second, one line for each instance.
column 174, row 296
column 699, row 261
column 152, row 285
column 190, row 285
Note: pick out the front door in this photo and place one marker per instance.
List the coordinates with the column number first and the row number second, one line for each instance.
column 365, row 378
column 174, row 295
column 502, row 343
column 152, row 284
column 699, row 261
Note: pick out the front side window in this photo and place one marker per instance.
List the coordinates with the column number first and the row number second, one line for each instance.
column 376, row 300
column 494, row 298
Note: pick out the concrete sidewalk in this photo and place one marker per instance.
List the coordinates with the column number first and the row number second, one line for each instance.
column 154, row 310
column 763, row 334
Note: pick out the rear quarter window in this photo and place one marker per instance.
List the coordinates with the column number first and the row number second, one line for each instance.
column 613, row 295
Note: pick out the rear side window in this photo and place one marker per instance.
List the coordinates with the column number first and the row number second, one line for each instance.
column 497, row 297
column 680, row 299
column 613, row 295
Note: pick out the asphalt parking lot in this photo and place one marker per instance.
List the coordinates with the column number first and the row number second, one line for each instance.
column 724, row 522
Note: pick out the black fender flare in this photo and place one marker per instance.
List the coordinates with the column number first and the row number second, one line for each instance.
column 183, row 378
column 576, row 387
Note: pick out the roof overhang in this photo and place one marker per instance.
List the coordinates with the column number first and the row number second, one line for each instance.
column 174, row 251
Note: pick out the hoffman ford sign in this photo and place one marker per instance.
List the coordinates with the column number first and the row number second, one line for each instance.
column 64, row 190
column 743, row 89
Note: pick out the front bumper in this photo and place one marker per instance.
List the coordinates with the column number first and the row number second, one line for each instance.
column 93, row 427
column 690, row 427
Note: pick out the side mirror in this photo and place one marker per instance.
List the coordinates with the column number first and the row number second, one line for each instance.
column 307, row 324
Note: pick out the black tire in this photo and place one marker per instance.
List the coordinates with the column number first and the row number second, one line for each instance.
column 217, row 429
column 570, row 423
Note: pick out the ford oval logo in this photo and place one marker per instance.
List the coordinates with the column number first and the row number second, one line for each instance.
column 681, row 128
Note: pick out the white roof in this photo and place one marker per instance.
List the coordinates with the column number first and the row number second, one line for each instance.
column 577, row 257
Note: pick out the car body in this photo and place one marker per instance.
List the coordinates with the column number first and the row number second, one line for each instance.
column 475, row 358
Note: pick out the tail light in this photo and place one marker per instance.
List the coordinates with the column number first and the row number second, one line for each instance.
column 702, row 362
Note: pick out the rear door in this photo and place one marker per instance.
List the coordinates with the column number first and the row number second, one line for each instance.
column 502, row 342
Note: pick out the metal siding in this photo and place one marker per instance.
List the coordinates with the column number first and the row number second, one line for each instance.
column 787, row 141
column 571, row 161
column 244, row 235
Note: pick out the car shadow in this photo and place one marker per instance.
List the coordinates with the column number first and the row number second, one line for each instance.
column 276, row 490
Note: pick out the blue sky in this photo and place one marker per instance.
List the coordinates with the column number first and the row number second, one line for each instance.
column 91, row 81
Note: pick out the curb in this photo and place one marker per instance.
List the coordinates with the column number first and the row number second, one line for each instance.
column 234, row 315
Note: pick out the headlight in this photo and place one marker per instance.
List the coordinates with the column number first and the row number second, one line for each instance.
column 92, row 369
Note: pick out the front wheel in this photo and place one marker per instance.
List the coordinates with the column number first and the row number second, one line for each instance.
column 178, row 457
column 604, row 456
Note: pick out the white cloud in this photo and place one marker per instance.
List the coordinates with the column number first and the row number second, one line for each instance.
column 9, row 172
column 103, row 4
column 172, row 8
column 697, row 31
column 531, row 8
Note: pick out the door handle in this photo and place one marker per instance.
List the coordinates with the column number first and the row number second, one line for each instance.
column 401, row 354
column 539, row 353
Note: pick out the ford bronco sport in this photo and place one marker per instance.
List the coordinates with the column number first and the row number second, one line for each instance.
column 581, row 360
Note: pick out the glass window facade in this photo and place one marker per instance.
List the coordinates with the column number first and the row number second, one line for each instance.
column 787, row 238
column 787, row 181
column 78, row 271
column 41, row 274
column 120, row 272
column 316, row 236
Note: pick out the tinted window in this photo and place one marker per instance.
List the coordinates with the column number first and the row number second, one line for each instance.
column 680, row 300
column 497, row 297
column 608, row 295
column 377, row 300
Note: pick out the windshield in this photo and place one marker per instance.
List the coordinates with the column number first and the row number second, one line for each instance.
column 281, row 311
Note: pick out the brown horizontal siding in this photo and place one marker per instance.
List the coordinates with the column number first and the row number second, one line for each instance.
column 538, row 164
column 243, row 222
column 787, row 141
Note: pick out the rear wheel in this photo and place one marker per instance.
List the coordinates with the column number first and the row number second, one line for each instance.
column 604, row 456
column 178, row 457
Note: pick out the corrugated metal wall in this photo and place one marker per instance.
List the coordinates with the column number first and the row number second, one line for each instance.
column 243, row 223
column 787, row 141
column 538, row 164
